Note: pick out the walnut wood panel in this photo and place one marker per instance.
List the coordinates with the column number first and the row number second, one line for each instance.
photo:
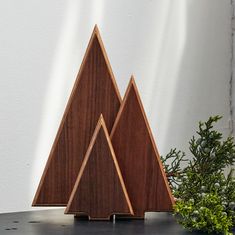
column 94, row 92
column 138, row 157
column 99, row 190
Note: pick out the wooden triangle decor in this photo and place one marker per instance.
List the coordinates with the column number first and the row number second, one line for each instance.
column 99, row 190
column 82, row 171
column 94, row 92
column 138, row 157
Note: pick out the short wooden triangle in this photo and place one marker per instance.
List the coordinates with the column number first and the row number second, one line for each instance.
column 99, row 190
column 138, row 157
column 94, row 92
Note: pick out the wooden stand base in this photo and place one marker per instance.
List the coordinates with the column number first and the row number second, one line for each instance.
column 83, row 216
column 128, row 217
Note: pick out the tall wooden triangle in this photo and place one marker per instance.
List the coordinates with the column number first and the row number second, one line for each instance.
column 99, row 190
column 94, row 92
column 138, row 157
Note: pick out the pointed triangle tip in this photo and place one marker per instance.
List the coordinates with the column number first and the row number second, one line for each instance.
column 132, row 81
column 132, row 85
column 132, row 77
column 96, row 30
column 101, row 120
column 101, row 123
column 101, row 116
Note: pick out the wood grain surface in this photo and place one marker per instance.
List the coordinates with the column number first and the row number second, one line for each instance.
column 138, row 157
column 94, row 92
column 99, row 190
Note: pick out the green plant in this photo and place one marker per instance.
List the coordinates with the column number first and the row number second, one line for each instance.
column 205, row 197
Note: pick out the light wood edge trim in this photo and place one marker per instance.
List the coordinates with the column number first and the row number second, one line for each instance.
column 130, row 85
column 85, row 160
column 95, row 33
column 116, row 165
column 119, row 114
column 152, row 140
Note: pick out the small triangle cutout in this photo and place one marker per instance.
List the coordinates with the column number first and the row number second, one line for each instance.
column 95, row 92
column 138, row 157
column 99, row 190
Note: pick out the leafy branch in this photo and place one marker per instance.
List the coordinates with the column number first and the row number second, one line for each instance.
column 205, row 196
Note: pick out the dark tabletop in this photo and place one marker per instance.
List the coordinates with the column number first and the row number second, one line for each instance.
column 55, row 222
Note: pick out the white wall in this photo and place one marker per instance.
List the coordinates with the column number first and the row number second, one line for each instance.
column 179, row 52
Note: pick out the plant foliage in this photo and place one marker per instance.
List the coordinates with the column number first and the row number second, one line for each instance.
column 205, row 196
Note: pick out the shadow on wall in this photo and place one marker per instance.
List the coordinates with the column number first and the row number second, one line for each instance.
column 178, row 52
column 196, row 78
